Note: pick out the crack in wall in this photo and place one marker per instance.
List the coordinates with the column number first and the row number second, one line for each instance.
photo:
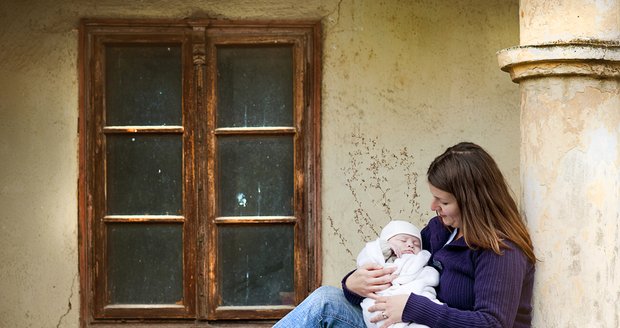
column 337, row 10
column 69, row 306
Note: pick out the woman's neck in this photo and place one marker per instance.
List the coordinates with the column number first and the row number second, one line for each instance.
column 459, row 233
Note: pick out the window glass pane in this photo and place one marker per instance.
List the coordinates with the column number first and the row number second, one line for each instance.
column 255, row 175
column 145, row 263
column 144, row 174
column 143, row 85
column 255, row 86
column 255, row 265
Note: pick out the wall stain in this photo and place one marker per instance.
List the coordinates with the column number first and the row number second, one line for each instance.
column 575, row 251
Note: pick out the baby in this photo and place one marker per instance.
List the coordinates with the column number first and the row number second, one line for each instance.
column 400, row 245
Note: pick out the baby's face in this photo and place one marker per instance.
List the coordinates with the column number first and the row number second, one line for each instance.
column 404, row 244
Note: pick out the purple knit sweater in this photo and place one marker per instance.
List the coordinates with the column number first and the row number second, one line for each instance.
column 478, row 287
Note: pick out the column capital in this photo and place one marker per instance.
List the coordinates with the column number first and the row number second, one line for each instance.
column 597, row 59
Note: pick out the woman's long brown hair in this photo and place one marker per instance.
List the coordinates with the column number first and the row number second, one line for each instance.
column 489, row 213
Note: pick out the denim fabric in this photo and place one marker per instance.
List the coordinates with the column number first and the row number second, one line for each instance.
column 325, row 307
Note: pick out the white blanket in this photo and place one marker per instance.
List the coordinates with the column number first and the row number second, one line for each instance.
column 414, row 276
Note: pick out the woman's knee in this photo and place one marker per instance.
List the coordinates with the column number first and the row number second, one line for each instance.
column 329, row 295
column 325, row 298
column 325, row 306
column 331, row 306
column 329, row 292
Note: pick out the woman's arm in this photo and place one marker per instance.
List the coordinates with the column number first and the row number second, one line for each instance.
column 366, row 281
column 501, row 282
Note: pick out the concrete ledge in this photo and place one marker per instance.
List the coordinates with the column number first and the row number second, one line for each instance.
column 595, row 59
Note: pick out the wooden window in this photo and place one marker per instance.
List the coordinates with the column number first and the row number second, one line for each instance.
column 199, row 170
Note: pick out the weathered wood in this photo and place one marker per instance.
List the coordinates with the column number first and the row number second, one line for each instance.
column 198, row 39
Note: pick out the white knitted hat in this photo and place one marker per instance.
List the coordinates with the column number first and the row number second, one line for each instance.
column 396, row 227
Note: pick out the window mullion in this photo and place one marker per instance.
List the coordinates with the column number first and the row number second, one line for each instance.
column 198, row 99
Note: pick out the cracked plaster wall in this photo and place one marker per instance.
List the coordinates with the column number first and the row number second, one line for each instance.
column 570, row 159
column 402, row 80
column 571, row 187
column 572, row 19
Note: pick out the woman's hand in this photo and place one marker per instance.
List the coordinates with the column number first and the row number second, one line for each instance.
column 369, row 279
column 389, row 309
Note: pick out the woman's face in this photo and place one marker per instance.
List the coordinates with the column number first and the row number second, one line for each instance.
column 446, row 206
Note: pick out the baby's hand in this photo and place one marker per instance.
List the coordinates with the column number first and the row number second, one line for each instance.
column 395, row 248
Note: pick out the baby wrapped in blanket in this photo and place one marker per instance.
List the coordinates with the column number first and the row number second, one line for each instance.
column 400, row 245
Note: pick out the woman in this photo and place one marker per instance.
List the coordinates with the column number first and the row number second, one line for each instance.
column 478, row 242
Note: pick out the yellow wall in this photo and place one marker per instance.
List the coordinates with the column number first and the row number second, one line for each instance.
column 402, row 81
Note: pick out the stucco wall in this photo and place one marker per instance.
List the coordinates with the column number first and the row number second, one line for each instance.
column 402, row 81
column 571, row 163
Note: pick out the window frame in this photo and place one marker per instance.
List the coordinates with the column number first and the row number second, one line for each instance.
column 197, row 38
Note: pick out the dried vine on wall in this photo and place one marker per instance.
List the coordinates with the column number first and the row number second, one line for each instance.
column 370, row 176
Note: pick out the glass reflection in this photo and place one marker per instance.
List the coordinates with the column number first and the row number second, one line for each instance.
column 143, row 85
column 144, row 174
column 256, row 175
column 256, row 265
column 255, row 86
column 145, row 263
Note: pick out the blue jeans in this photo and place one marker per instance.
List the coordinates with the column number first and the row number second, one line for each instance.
column 325, row 307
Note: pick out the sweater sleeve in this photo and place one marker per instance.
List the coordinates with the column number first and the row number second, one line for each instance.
column 499, row 280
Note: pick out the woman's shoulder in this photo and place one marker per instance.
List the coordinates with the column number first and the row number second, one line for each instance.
column 510, row 255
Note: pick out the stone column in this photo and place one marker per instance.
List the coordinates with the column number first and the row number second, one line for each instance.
column 568, row 70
